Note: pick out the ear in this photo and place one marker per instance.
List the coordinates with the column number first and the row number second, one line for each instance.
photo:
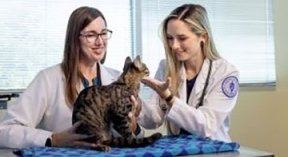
column 204, row 37
column 137, row 62
column 127, row 61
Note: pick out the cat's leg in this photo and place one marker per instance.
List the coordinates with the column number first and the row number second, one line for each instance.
column 122, row 126
column 103, row 141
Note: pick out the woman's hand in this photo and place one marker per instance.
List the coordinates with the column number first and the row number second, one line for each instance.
column 161, row 87
column 136, row 106
column 69, row 138
column 136, row 109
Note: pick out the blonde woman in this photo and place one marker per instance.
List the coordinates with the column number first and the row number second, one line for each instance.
column 195, row 89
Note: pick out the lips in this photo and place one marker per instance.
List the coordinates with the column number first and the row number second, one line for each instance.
column 98, row 50
column 178, row 53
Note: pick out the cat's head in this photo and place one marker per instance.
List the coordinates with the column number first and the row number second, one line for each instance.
column 135, row 67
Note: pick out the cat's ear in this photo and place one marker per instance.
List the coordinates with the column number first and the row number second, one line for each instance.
column 127, row 62
column 137, row 61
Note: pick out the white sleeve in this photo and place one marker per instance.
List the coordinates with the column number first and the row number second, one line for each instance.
column 207, row 119
column 18, row 127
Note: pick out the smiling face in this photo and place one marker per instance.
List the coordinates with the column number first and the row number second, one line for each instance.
column 93, row 51
column 182, row 41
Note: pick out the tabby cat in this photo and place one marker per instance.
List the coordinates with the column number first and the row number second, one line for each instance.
column 101, row 107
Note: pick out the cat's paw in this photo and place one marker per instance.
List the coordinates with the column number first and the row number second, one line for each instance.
column 103, row 148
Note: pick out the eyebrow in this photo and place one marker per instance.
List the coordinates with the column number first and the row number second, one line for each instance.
column 93, row 31
column 177, row 35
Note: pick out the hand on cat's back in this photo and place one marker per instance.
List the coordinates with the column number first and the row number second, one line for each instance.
column 136, row 106
column 69, row 138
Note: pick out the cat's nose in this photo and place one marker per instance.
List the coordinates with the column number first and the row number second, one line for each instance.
column 147, row 72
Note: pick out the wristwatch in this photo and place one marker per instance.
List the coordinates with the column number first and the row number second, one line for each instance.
column 164, row 107
column 138, row 130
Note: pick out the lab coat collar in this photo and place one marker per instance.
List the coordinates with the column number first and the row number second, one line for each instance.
column 182, row 85
column 199, row 84
column 202, row 76
column 106, row 77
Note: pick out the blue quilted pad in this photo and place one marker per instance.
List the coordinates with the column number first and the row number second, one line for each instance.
column 179, row 145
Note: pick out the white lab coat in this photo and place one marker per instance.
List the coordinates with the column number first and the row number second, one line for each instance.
column 210, row 120
column 42, row 109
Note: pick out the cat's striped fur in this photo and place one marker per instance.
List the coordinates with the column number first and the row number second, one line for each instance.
column 98, row 107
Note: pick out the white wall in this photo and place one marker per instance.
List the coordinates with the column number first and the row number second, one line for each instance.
column 259, row 119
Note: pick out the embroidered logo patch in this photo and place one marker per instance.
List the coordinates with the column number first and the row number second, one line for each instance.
column 230, row 86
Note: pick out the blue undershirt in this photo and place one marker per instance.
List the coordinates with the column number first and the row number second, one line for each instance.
column 96, row 80
column 190, row 85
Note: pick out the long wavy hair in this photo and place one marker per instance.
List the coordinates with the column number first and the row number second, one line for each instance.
column 79, row 19
column 195, row 17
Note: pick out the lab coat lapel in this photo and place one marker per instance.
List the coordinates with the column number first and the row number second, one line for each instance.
column 172, row 128
column 199, row 84
column 106, row 77
column 79, row 87
column 182, row 86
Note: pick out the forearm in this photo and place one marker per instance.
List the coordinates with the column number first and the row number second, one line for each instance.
column 17, row 136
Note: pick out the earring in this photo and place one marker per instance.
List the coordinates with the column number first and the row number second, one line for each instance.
column 202, row 43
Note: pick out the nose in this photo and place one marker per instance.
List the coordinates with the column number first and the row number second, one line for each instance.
column 99, row 40
column 174, row 44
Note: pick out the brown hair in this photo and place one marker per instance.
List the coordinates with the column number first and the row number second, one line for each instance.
column 79, row 19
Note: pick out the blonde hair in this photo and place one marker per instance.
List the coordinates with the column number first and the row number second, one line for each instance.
column 195, row 16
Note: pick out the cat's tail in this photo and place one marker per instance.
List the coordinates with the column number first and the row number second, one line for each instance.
column 134, row 142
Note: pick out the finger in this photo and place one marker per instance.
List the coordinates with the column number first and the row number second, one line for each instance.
column 150, row 82
column 80, row 136
column 138, row 107
column 82, row 144
column 134, row 101
column 166, row 85
column 169, row 82
column 130, row 115
column 146, row 80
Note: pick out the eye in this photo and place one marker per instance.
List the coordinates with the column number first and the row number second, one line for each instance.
column 90, row 35
column 169, row 38
column 104, row 33
column 182, row 38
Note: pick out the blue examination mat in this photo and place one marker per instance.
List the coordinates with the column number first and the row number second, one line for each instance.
column 169, row 145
